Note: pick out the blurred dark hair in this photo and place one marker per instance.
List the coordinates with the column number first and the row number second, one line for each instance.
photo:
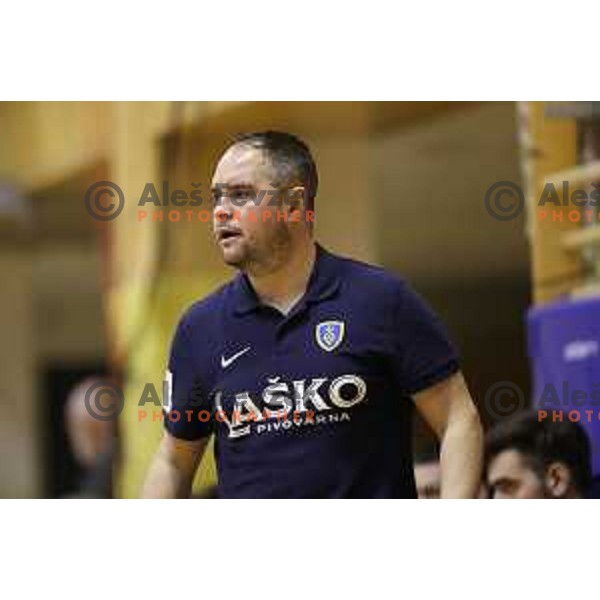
column 542, row 443
column 426, row 453
column 291, row 159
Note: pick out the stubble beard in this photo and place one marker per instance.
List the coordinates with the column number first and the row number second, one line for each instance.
column 264, row 256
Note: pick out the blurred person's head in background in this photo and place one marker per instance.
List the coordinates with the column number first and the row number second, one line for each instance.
column 529, row 458
column 428, row 474
column 263, row 189
column 94, row 441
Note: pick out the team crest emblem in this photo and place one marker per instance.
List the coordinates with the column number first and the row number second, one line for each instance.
column 329, row 334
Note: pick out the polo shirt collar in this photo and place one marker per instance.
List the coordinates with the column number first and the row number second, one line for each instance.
column 323, row 283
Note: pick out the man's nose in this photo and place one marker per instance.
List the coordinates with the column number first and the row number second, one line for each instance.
column 223, row 211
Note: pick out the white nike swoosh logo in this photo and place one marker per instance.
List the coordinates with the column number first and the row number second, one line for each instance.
column 225, row 362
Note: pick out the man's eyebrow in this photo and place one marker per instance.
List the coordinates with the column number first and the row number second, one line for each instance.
column 499, row 481
column 234, row 186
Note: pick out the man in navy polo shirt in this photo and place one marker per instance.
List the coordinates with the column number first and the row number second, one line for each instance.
column 307, row 366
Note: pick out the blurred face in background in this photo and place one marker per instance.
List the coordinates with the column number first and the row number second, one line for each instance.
column 245, row 224
column 511, row 476
column 89, row 437
column 428, row 477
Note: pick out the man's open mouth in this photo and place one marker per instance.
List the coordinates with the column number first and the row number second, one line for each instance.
column 228, row 233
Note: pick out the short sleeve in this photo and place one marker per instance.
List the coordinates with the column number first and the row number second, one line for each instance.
column 188, row 415
column 422, row 353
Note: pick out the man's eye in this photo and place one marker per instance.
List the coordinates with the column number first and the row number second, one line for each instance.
column 507, row 487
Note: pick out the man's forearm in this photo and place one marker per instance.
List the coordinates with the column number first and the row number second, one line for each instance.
column 460, row 457
column 173, row 468
column 165, row 480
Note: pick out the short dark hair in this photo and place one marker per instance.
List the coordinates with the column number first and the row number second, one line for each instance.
column 290, row 157
column 542, row 443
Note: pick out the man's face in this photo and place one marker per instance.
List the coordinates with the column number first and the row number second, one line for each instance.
column 509, row 476
column 245, row 221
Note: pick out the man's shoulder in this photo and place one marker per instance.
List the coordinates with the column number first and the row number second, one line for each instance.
column 369, row 277
column 205, row 310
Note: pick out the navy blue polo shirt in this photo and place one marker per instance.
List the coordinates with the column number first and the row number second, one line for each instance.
column 315, row 403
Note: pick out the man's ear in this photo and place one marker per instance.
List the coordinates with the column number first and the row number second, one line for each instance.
column 294, row 203
column 295, row 198
column 558, row 479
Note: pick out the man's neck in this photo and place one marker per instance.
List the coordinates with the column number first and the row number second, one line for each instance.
column 284, row 286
